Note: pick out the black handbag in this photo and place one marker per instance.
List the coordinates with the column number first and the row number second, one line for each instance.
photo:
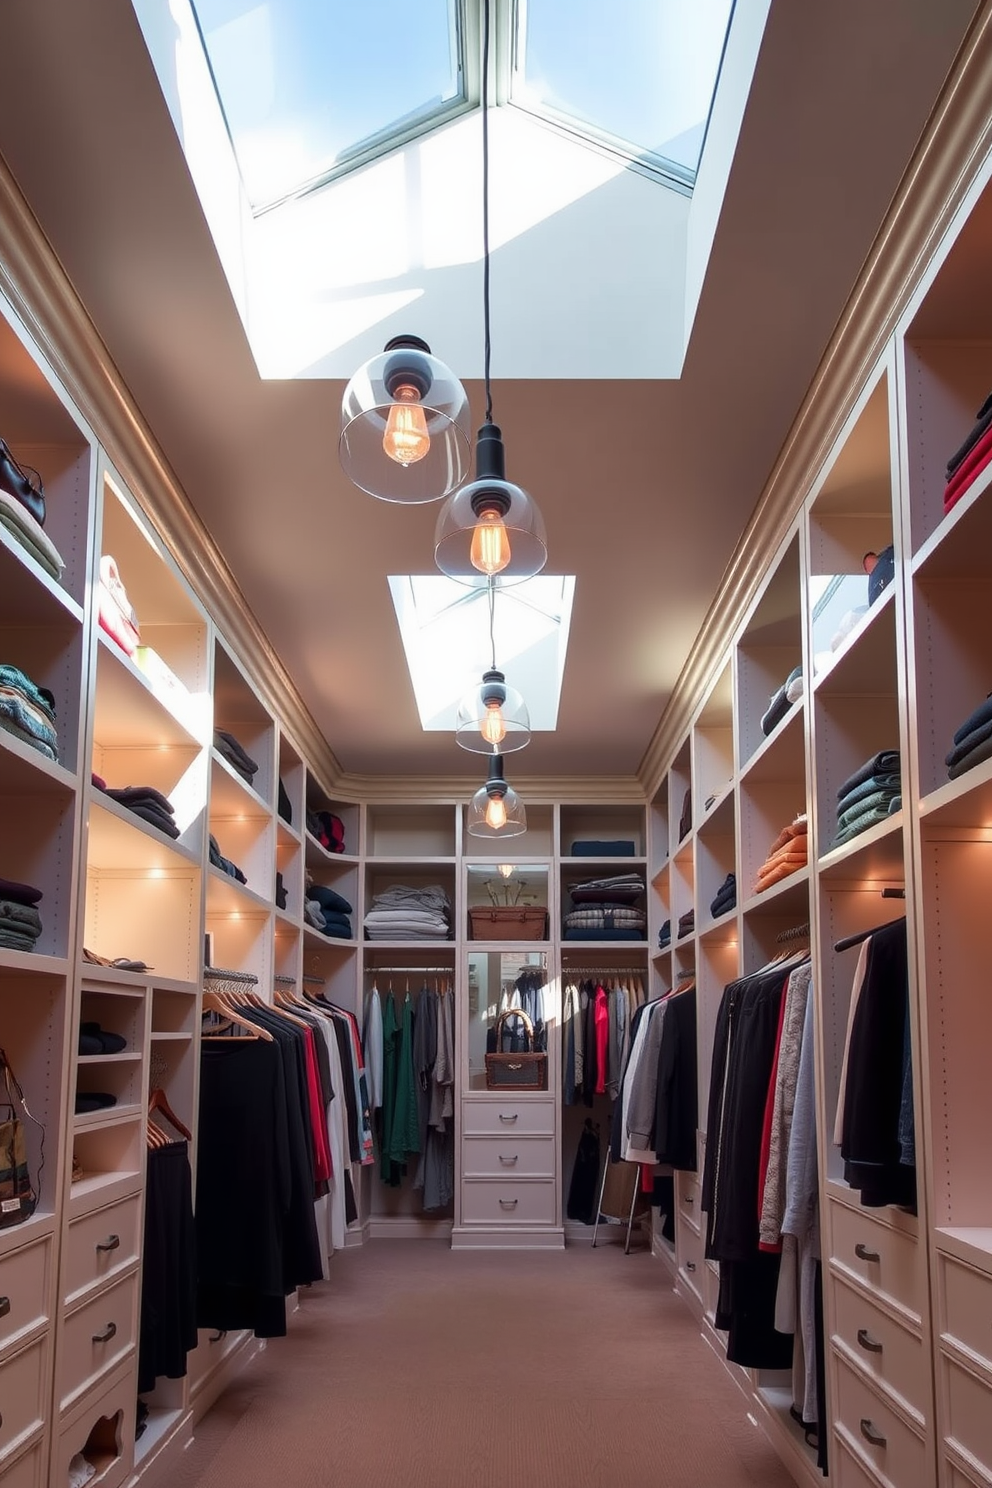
column 18, row 1196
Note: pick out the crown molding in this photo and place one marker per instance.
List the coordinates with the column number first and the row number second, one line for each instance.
column 618, row 790
column 946, row 162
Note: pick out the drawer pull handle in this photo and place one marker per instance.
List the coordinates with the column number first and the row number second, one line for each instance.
column 690, row 1265
column 864, row 1254
column 688, row 1199
column 4, row 1306
column 509, row 1118
column 112, row 1242
column 109, row 1332
column 508, row 1203
column 216, row 1337
column 508, row 1162
column 867, row 1342
column 871, row 1433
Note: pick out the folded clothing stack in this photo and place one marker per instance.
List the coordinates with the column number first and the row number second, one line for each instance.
column 224, row 864
column 971, row 458
column 285, row 807
column 26, row 531
column 281, row 897
column 781, row 701
column 685, row 818
column 229, row 749
column 726, row 897
column 328, row 829
column 88, row 1101
column 20, row 922
column 665, row 935
column 28, row 711
column 686, row 925
column 603, row 909
column 588, row 847
column 96, row 1040
column 404, row 913
column 868, row 796
column 606, row 922
column 972, row 741
column 329, row 911
column 115, row 611
column 787, row 854
column 143, row 801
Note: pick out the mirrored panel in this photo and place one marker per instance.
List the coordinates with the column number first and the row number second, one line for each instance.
column 509, row 1013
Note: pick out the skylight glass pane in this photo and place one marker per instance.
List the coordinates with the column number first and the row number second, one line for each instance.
column 641, row 71
column 305, row 83
column 445, row 631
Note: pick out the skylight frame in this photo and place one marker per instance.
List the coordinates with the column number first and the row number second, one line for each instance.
column 511, row 63
column 465, row 38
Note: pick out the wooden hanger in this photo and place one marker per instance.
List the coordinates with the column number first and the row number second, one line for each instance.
column 159, row 1101
column 214, row 1002
column 154, row 1137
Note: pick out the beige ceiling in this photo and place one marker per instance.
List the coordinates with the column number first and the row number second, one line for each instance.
column 645, row 487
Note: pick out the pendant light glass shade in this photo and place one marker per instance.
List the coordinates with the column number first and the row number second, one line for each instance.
column 490, row 529
column 496, row 810
column 406, row 433
column 492, row 716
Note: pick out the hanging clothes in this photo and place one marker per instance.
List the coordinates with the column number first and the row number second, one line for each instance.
column 583, row 1190
column 372, row 1047
column 875, row 1115
column 168, row 1267
column 745, row 1047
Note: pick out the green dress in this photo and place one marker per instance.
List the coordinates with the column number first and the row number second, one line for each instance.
column 390, row 1049
column 404, row 1131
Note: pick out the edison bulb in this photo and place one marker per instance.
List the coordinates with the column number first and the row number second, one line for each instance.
column 493, row 726
column 490, row 552
column 406, row 439
column 496, row 813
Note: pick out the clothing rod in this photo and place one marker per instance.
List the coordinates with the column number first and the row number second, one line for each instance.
column 284, row 981
column 221, row 974
column 374, row 971
column 589, row 971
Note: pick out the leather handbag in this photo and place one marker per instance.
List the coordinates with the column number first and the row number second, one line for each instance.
column 527, row 1070
column 116, row 616
column 18, row 1196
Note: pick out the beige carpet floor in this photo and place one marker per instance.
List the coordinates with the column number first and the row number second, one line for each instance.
column 417, row 1367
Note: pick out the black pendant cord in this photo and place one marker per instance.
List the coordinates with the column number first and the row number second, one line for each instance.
column 492, row 617
column 485, row 207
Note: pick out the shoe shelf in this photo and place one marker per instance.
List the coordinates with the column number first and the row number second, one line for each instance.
column 31, row 593
column 134, row 708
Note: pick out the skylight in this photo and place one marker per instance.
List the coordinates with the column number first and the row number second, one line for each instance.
column 445, row 631
column 307, row 86
column 639, row 75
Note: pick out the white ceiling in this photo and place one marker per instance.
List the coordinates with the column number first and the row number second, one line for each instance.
column 645, row 486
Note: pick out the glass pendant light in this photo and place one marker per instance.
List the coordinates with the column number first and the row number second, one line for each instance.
column 405, row 426
column 491, row 529
column 492, row 716
column 496, row 810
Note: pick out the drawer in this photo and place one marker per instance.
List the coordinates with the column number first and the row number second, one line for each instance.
column 965, row 1307
column 25, row 1472
column 687, row 1190
column 955, row 1478
column 97, row 1336
column 846, row 1470
column 24, row 1388
column 211, row 1350
column 99, row 1245
column 890, row 1353
column 876, row 1434
column 508, row 1157
column 689, row 1252
column 968, row 1411
column 888, row 1260
column 534, row 1118
column 508, row 1203
column 24, row 1290
column 103, row 1430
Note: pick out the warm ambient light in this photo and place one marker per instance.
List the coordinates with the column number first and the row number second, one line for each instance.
column 496, row 810
column 406, row 439
column 490, row 550
column 492, row 716
column 405, row 427
column 496, row 813
column 505, row 869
